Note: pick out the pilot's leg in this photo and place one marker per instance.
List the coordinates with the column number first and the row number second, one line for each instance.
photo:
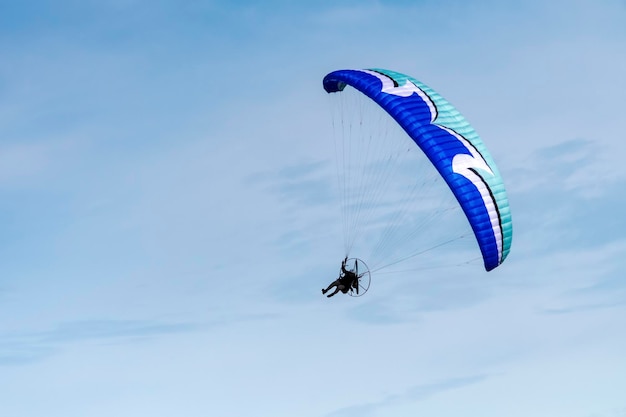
column 339, row 287
column 332, row 284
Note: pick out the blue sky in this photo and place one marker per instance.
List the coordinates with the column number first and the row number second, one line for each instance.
column 168, row 219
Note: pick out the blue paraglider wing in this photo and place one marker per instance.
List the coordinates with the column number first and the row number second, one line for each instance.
column 450, row 143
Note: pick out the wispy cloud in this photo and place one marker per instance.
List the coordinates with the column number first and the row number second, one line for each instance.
column 18, row 352
column 18, row 349
column 585, row 307
column 590, row 279
column 408, row 296
column 562, row 200
column 614, row 412
column 300, row 185
column 413, row 394
column 29, row 163
column 23, row 348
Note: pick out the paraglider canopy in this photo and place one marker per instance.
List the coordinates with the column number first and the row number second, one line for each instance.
column 452, row 146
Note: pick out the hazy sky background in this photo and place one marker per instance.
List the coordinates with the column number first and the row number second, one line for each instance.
column 167, row 216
